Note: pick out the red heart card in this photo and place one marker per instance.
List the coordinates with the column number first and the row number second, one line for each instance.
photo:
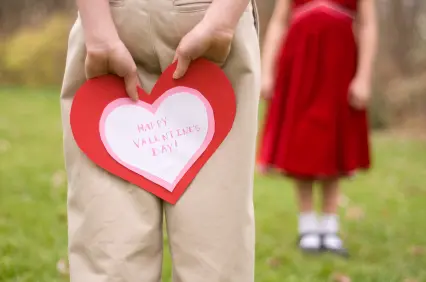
column 160, row 142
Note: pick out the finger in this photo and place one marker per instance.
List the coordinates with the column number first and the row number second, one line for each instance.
column 361, row 103
column 353, row 102
column 367, row 101
column 352, row 98
column 131, row 80
column 175, row 58
column 357, row 103
column 182, row 66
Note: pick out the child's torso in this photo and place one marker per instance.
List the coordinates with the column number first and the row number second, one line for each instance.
column 347, row 4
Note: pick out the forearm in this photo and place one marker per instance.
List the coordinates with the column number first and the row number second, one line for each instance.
column 277, row 30
column 99, row 28
column 271, row 45
column 225, row 14
column 367, row 43
column 367, row 51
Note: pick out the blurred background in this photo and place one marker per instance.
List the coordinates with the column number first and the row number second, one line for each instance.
column 383, row 211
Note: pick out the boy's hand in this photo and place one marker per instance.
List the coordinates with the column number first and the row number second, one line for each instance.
column 113, row 58
column 204, row 40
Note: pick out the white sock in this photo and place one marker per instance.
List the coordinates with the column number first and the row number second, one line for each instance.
column 308, row 224
column 330, row 227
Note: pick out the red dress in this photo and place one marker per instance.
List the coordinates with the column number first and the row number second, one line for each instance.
column 311, row 130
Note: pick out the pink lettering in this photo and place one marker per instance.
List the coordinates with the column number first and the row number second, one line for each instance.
column 165, row 137
column 136, row 143
column 166, row 148
column 153, row 140
column 161, row 122
column 179, row 132
column 154, row 152
column 139, row 142
column 145, row 127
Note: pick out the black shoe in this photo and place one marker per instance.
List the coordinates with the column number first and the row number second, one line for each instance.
column 305, row 249
column 341, row 251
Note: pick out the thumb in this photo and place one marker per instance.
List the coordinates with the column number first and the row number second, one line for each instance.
column 182, row 66
column 132, row 82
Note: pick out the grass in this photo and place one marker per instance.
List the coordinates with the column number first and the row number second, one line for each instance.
column 384, row 221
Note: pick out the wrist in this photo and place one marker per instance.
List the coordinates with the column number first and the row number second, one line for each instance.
column 219, row 31
column 362, row 76
column 218, row 25
column 100, row 34
column 225, row 15
column 101, row 41
column 266, row 74
column 101, row 45
column 267, row 69
column 98, row 26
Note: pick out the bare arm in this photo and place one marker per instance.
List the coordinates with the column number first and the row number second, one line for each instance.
column 106, row 53
column 273, row 38
column 367, row 39
column 99, row 29
column 212, row 37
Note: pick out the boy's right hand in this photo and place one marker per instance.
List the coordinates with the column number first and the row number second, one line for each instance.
column 116, row 59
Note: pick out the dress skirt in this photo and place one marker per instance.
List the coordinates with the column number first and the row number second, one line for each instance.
column 311, row 130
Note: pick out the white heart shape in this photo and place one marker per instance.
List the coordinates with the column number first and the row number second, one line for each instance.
column 160, row 141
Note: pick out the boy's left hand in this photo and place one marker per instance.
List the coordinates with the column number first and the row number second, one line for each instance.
column 359, row 93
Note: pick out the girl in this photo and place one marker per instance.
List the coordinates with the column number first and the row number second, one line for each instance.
column 316, row 126
column 115, row 228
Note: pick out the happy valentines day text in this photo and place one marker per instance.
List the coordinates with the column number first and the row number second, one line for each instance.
column 164, row 142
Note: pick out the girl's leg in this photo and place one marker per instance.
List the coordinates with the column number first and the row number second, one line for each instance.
column 330, row 192
column 309, row 238
column 329, row 223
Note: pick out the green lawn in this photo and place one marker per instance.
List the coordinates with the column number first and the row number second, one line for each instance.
column 385, row 211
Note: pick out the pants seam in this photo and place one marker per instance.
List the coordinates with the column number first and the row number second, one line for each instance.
column 152, row 39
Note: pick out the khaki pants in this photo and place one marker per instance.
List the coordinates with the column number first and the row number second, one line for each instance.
column 115, row 228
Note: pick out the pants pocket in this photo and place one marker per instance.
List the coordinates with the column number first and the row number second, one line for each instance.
column 186, row 22
column 116, row 3
column 190, row 6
